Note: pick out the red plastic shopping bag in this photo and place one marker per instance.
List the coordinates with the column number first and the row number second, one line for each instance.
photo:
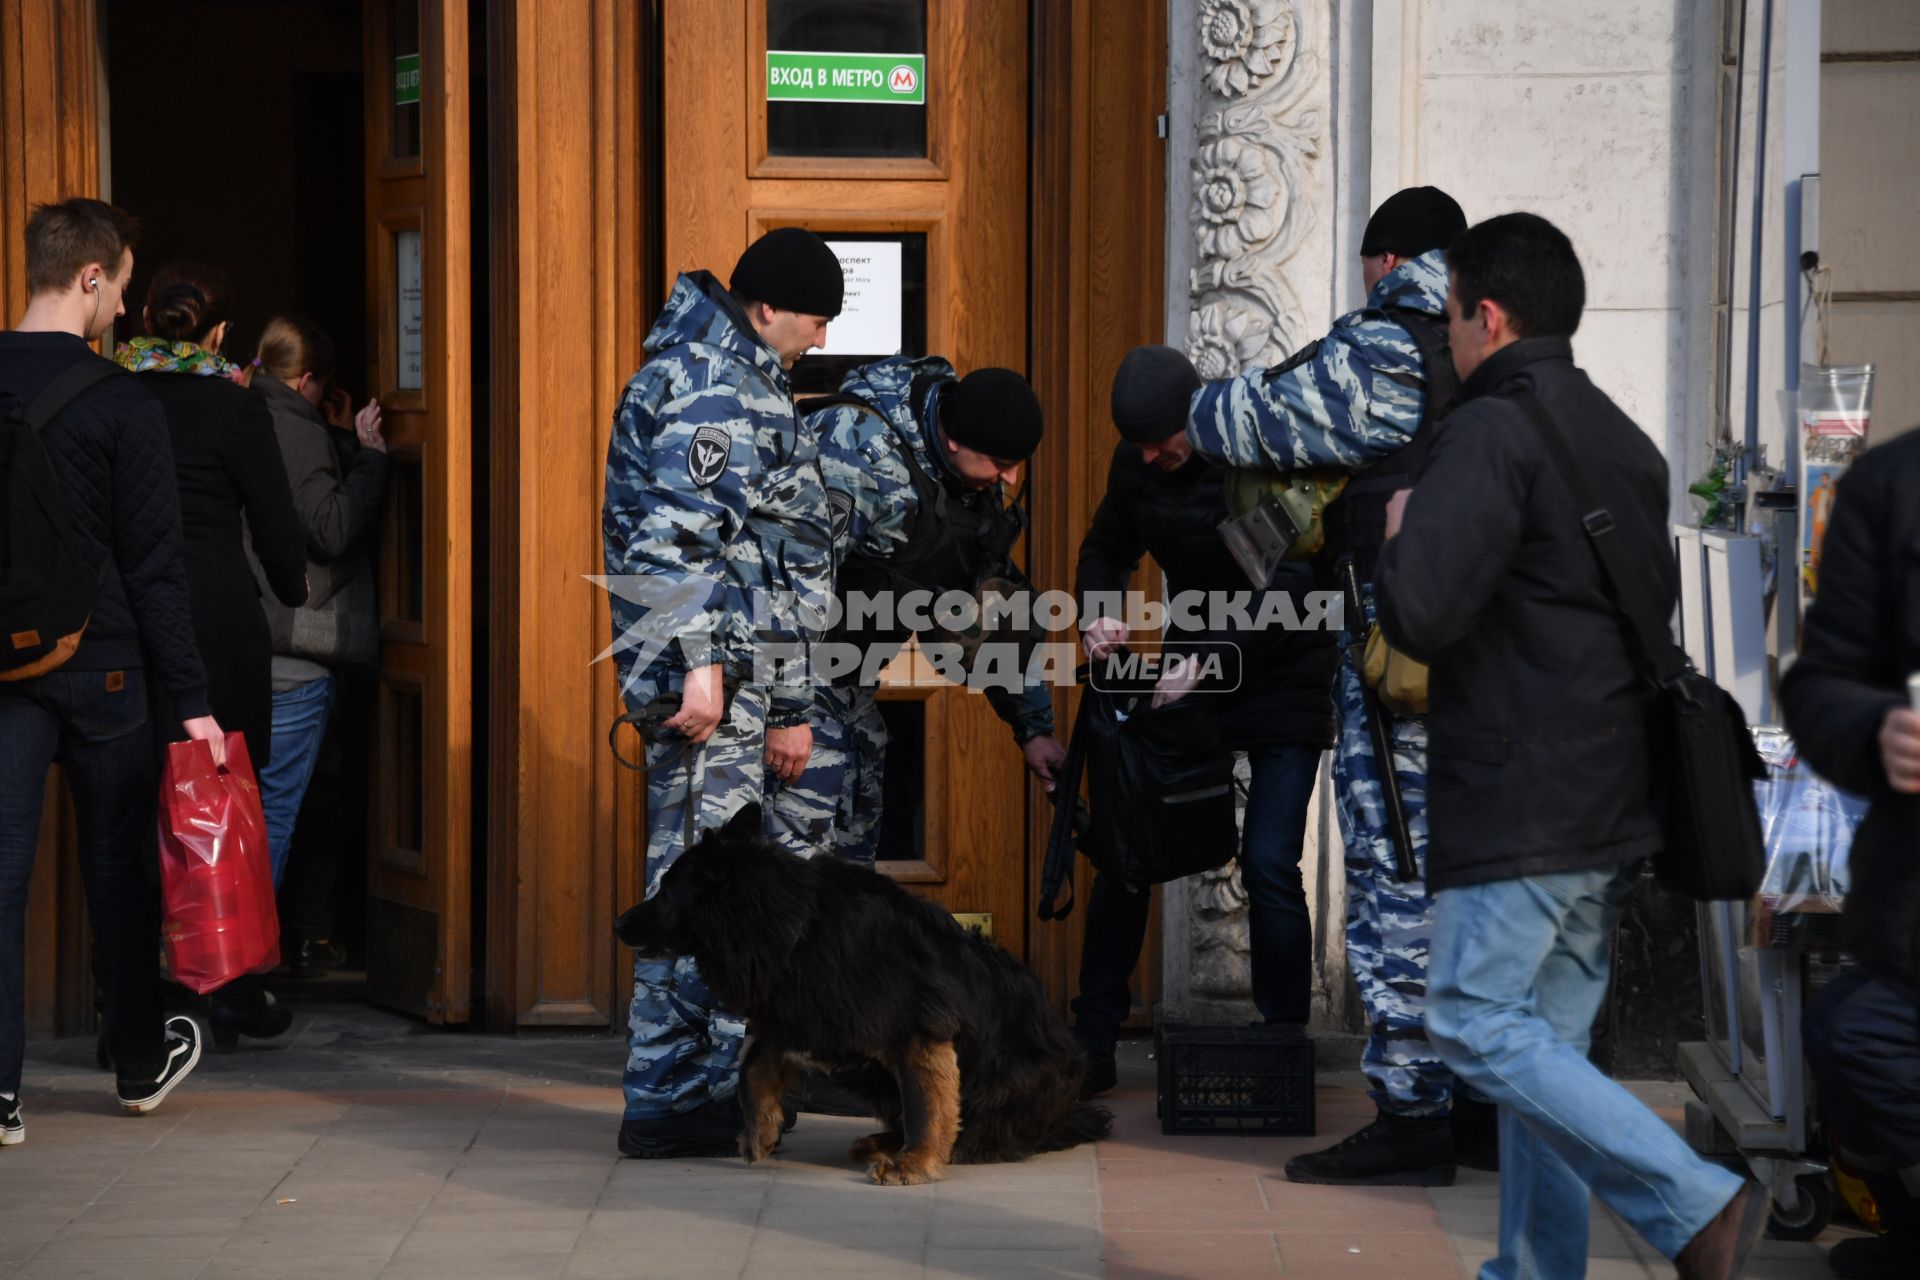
column 216, row 880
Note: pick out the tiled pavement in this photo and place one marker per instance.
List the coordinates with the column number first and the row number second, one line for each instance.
column 367, row 1145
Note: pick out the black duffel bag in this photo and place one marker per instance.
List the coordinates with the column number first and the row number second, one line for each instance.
column 1705, row 763
column 1160, row 793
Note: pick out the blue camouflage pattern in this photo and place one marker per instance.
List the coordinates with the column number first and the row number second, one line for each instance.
column 715, row 507
column 870, row 489
column 1346, row 400
column 683, row 1051
column 834, row 807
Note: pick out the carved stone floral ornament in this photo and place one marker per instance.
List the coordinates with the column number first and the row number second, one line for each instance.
column 1221, row 341
column 1239, row 197
column 1246, row 42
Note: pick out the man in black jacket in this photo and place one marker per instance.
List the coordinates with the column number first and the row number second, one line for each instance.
column 1165, row 501
column 1539, row 804
column 1847, row 704
column 109, row 448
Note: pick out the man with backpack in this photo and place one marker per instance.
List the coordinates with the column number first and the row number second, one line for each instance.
column 93, row 606
column 1365, row 400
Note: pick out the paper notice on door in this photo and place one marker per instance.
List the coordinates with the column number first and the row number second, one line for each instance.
column 869, row 319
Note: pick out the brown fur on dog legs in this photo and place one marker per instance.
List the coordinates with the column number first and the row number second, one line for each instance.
column 929, row 1079
column 874, row 1144
column 762, row 1079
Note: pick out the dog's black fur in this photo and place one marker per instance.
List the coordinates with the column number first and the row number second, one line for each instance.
column 836, row 965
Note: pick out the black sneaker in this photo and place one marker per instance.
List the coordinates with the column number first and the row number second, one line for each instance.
column 141, row 1094
column 13, row 1125
column 316, row 958
column 1103, row 1073
column 1393, row 1151
column 1476, row 1133
column 710, row 1130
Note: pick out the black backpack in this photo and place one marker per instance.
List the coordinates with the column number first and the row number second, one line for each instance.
column 46, row 587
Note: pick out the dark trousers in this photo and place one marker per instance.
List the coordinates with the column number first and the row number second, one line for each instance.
column 1281, row 931
column 103, row 738
column 1862, row 1037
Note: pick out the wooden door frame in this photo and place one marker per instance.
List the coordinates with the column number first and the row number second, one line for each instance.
column 1098, row 242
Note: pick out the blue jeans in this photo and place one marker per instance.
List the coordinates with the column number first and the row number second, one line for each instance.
column 95, row 724
column 1518, row 972
column 1281, row 931
column 299, row 722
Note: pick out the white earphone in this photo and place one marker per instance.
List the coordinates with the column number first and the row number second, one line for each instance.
column 94, row 283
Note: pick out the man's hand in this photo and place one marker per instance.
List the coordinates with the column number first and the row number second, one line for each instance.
column 1900, row 749
column 1176, row 682
column 702, row 700
column 206, row 729
column 1044, row 756
column 1397, row 510
column 1103, row 636
column 787, row 751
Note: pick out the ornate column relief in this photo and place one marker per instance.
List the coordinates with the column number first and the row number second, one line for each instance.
column 1250, row 257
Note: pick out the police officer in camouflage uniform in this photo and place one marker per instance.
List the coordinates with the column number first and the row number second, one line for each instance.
column 1366, row 399
column 715, row 525
column 917, row 465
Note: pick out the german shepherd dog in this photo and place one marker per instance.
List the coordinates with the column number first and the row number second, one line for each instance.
column 836, row 967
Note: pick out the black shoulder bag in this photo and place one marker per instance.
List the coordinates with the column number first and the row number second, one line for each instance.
column 1704, row 797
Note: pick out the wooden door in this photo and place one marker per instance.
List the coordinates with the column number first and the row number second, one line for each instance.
column 419, row 913
column 945, row 180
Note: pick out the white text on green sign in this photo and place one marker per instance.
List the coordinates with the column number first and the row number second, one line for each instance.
column 899, row 78
column 406, row 79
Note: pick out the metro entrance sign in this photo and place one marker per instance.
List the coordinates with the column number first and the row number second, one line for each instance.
column 899, row 78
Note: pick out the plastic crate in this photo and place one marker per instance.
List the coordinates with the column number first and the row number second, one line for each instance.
column 1235, row 1080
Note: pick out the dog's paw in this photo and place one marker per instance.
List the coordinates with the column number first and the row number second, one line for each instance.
column 872, row 1145
column 888, row 1171
column 756, row 1148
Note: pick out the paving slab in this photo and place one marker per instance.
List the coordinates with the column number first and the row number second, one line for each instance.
column 365, row 1144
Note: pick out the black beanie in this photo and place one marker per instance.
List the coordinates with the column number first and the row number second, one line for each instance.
column 992, row 411
column 1151, row 391
column 1413, row 221
column 792, row 269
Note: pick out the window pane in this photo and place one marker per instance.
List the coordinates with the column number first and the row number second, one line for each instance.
column 404, row 23
column 870, row 102
column 903, row 814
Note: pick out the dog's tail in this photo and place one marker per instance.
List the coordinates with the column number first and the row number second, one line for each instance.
column 1084, row 1122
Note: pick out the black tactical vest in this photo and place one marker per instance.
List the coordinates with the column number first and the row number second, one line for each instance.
column 1356, row 522
column 958, row 537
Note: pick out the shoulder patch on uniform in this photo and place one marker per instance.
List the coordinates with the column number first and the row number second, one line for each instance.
column 840, row 511
column 1295, row 360
column 707, row 454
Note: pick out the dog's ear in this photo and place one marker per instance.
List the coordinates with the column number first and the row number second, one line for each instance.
column 744, row 825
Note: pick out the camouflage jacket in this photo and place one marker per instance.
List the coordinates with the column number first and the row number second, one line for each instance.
column 714, row 509
column 1347, row 399
column 870, row 486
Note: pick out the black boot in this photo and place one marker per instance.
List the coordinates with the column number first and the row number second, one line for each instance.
column 1393, row 1151
column 1103, row 1073
column 817, row 1093
column 1476, row 1133
column 247, row 1013
column 710, row 1130
column 1894, row 1256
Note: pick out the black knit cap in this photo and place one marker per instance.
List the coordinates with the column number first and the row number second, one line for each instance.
column 1151, row 391
column 992, row 411
column 1413, row 221
column 792, row 269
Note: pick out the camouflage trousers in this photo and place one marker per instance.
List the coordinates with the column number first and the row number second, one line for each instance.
column 835, row 804
column 682, row 1051
column 1389, row 920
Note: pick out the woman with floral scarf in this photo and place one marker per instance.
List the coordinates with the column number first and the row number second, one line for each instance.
column 232, row 483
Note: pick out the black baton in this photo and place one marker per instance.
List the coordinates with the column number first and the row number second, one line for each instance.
column 1357, row 626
